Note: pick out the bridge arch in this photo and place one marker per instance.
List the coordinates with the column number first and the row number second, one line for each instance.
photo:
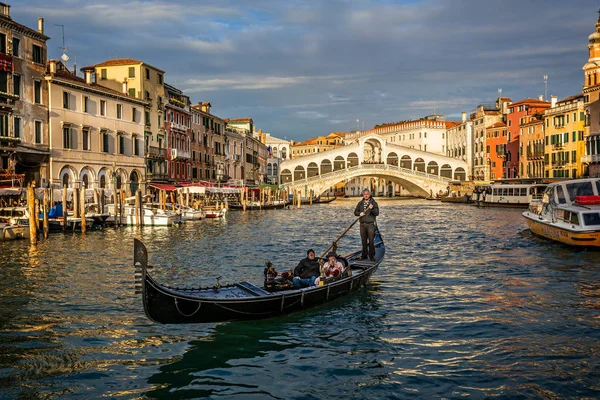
column 312, row 170
column 299, row 173
column 392, row 159
column 446, row 171
column 460, row 174
column 352, row 160
column 406, row 162
column 286, row 176
column 339, row 163
column 433, row 168
column 419, row 165
column 326, row 166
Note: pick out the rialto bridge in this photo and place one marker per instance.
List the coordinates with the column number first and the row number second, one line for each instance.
column 419, row 172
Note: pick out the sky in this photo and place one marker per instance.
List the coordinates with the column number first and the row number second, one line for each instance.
column 304, row 68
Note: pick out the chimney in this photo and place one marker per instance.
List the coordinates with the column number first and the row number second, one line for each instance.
column 88, row 76
column 541, row 97
column 125, row 86
column 52, row 67
column 554, row 100
column 464, row 116
column 5, row 10
column 41, row 25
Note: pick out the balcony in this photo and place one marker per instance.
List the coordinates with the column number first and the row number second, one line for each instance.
column 535, row 155
column 9, row 141
column 156, row 152
column 177, row 154
column 591, row 158
column 156, row 177
column 559, row 163
column 179, row 127
column 558, row 146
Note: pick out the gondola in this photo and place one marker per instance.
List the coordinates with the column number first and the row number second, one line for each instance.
column 319, row 200
column 244, row 300
column 257, row 206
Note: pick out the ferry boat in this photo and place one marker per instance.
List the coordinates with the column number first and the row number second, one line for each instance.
column 569, row 212
column 518, row 195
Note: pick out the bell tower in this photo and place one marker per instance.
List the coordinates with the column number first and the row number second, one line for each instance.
column 591, row 69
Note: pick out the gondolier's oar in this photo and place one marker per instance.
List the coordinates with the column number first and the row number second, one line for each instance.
column 334, row 244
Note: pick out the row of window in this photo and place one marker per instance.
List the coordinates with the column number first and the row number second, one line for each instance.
column 131, row 74
column 105, row 143
column 17, row 88
column 17, row 128
column 561, row 138
column 37, row 52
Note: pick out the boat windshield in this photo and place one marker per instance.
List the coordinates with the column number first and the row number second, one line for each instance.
column 579, row 189
column 591, row 218
column 598, row 187
column 560, row 195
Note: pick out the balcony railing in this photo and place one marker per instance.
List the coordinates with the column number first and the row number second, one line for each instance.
column 156, row 176
column 177, row 126
column 535, row 155
column 179, row 154
column 557, row 146
column 590, row 158
column 156, row 152
column 559, row 163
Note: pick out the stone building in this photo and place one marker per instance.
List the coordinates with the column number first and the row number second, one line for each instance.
column 210, row 143
column 96, row 134
column 591, row 92
column 141, row 80
column 23, row 99
column 177, row 128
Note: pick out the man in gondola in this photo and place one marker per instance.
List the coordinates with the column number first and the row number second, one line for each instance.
column 307, row 270
column 368, row 210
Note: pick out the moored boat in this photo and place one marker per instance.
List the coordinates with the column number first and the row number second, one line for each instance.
column 244, row 300
column 153, row 216
column 256, row 205
column 569, row 212
column 213, row 212
column 13, row 232
column 517, row 195
column 319, row 200
column 456, row 197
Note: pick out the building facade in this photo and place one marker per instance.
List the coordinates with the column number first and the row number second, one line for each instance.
column 96, row 134
column 141, row 80
column 485, row 115
column 177, row 128
column 316, row 145
column 531, row 150
column 591, row 92
column 517, row 113
column 564, row 138
column 459, row 141
column 234, row 157
column 277, row 150
column 23, row 99
column 495, row 156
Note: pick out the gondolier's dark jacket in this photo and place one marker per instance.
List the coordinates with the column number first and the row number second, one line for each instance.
column 369, row 217
column 307, row 268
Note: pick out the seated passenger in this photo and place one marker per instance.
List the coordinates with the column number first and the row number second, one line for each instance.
column 307, row 270
column 333, row 268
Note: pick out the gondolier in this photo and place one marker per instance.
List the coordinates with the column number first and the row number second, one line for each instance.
column 368, row 210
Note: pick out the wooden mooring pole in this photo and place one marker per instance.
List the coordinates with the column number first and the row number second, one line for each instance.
column 32, row 219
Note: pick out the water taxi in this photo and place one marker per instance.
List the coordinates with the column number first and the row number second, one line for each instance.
column 518, row 195
column 569, row 212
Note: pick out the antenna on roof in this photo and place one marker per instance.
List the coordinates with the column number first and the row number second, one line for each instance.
column 546, row 84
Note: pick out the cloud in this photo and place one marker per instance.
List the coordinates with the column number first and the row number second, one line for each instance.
column 331, row 62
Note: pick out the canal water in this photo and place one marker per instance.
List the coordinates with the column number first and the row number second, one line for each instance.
column 466, row 303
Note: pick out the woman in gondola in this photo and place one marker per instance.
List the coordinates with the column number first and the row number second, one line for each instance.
column 332, row 268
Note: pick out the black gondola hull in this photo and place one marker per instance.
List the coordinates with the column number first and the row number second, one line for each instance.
column 245, row 301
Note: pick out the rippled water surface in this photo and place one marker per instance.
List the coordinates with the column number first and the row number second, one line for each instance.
column 467, row 303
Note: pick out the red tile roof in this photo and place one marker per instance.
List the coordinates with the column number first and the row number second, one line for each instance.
column 529, row 100
column 124, row 61
column 575, row 96
column 497, row 125
column 241, row 120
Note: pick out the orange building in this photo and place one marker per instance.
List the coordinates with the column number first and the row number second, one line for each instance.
column 517, row 113
column 531, row 150
column 496, row 136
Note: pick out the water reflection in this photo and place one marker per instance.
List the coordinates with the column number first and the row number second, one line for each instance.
column 467, row 303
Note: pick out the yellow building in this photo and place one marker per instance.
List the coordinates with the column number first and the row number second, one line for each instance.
column 142, row 81
column 564, row 141
column 317, row 145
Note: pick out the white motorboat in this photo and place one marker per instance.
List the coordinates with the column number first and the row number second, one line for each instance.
column 569, row 212
column 13, row 232
column 213, row 212
column 153, row 216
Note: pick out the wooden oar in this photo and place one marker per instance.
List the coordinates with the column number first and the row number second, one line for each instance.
column 342, row 235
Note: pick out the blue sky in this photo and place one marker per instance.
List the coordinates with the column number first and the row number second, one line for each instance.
column 303, row 68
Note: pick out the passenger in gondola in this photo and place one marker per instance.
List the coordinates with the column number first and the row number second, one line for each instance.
column 333, row 268
column 307, row 270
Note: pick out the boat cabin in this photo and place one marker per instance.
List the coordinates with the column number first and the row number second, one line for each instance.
column 576, row 203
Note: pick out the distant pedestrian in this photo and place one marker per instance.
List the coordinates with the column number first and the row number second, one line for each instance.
column 368, row 210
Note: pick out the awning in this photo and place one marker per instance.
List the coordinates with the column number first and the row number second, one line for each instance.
column 192, row 189
column 162, row 186
column 223, row 190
